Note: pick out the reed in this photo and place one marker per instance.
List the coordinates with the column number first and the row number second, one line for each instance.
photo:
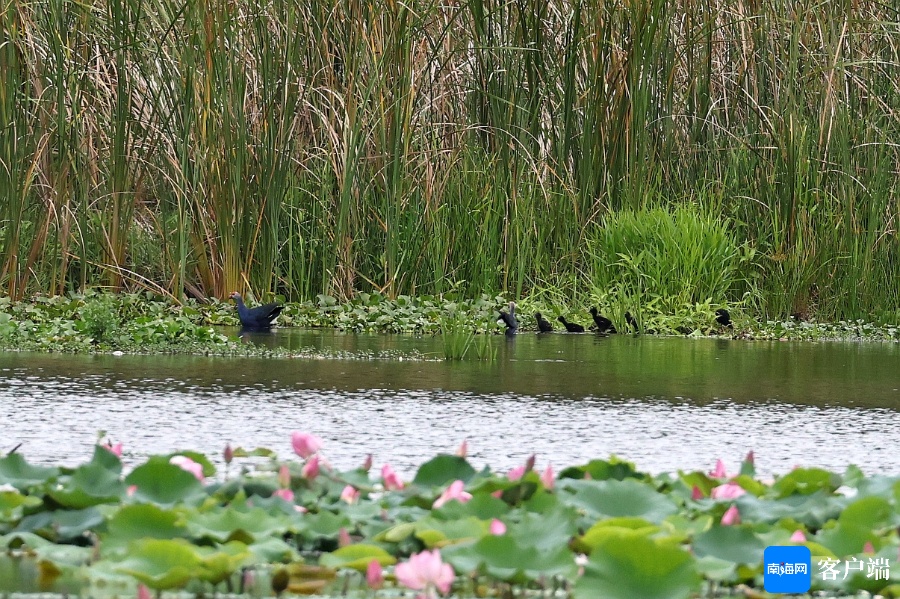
column 304, row 148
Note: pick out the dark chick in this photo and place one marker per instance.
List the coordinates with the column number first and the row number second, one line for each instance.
column 604, row 325
column 724, row 318
column 544, row 325
column 571, row 326
column 631, row 322
column 509, row 319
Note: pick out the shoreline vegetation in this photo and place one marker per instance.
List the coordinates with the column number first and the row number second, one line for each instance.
column 662, row 153
column 264, row 526
column 144, row 323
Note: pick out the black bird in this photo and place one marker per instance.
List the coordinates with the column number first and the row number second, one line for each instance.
column 724, row 318
column 260, row 317
column 604, row 325
column 544, row 325
column 629, row 319
column 512, row 325
column 571, row 326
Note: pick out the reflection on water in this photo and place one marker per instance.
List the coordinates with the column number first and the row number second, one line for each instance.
column 662, row 403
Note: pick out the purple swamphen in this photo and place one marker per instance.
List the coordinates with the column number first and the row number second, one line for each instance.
column 260, row 317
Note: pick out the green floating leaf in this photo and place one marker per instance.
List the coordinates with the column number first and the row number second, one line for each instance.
column 442, row 470
column 434, row 532
column 231, row 524
column 805, row 481
column 164, row 484
column 357, row 557
column 15, row 471
column 505, row 558
column 633, row 566
column 599, row 532
column 220, row 563
column 161, row 564
column 62, row 525
column 325, row 525
column 737, row 544
column 91, row 484
column 146, row 520
column 625, row 498
column 603, row 470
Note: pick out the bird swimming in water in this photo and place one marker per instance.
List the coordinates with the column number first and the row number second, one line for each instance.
column 724, row 318
column 544, row 325
column 631, row 322
column 509, row 319
column 604, row 325
column 571, row 326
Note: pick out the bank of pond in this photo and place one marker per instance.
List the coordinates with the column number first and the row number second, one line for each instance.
column 263, row 526
column 147, row 323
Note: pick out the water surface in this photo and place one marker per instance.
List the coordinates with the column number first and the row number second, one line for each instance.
column 664, row 403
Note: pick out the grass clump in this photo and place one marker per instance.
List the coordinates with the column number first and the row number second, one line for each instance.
column 660, row 260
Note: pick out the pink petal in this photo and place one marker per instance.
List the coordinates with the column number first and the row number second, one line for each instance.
column 719, row 472
column 350, row 494
column 143, row 592
column 285, row 494
column 798, row 537
column 284, row 476
column 390, row 479
column 374, row 575
column 305, row 444
column 731, row 516
column 367, row 463
column 547, row 478
column 750, row 459
column 463, row 448
column 344, row 538
column 187, row 464
column 116, row 449
column 696, row 493
column 727, row 491
column 516, row 473
column 407, row 574
column 868, row 548
column 310, row 469
column 228, row 454
column 498, row 527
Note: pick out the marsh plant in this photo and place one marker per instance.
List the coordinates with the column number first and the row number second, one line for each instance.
column 307, row 148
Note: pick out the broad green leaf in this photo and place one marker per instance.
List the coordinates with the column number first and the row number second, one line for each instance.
column 625, row 498
column 357, row 557
column 13, row 505
column 272, row 550
column 62, row 525
column 633, row 566
column 443, row 470
column 738, row 544
column 504, row 558
column 434, row 532
column 91, row 484
column 164, row 484
column 146, row 520
column 220, row 563
column 323, row 525
column 603, row 470
column 601, row 530
column 161, row 564
column 805, row 481
column 231, row 524
column 15, row 471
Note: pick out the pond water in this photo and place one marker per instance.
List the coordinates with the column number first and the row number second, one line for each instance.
column 663, row 403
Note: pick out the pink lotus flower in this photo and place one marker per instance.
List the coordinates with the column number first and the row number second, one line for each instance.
column 131, row 490
column 116, row 449
column 696, row 493
column 425, row 572
column 390, row 479
column 548, row 478
column 284, row 476
column 728, row 491
column 731, row 516
column 344, row 538
column 869, row 548
column 374, row 575
column 310, row 469
column 454, row 492
column 720, row 471
column 750, row 459
column 143, row 592
column 189, row 465
column 498, row 527
column 305, row 444
column 350, row 494
column 248, row 581
column 516, row 473
column 798, row 537
column 228, row 453
column 463, row 450
column 285, row 494
column 367, row 463
column 498, row 493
